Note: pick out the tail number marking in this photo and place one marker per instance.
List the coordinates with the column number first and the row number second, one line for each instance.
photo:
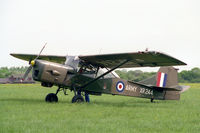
column 146, row 91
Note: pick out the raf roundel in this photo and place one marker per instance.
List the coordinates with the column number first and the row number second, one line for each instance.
column 120, row 86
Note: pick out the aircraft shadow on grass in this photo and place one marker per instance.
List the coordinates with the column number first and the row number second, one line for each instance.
column 132, row 104
column 24, row 100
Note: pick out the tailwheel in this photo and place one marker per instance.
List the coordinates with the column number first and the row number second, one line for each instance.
column 51, row 97
column 77, row 99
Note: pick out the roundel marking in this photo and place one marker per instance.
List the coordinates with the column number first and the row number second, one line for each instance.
column 120, row 86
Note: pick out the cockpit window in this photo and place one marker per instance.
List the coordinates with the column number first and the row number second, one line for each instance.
column 72, row 61
column 110, row 75
column 87, row 69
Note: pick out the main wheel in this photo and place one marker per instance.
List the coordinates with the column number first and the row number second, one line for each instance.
column 77, row 99
column 51, row 97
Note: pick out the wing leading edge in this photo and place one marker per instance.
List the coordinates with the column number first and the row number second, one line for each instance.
column 139, row 59
column 29, row 57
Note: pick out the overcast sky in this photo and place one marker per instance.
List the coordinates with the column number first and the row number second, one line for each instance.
column 82, row 27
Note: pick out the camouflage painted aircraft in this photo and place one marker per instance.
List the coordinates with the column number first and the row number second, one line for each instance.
column 94, row 75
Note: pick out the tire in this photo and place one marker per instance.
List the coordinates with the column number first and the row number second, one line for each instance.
column 77, row 99
column 51, row 97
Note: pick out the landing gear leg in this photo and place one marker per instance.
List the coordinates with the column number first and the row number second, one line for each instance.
column 51, row 97
column 59, row 89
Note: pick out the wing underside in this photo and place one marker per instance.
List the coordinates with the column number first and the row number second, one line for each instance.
column 139, row 59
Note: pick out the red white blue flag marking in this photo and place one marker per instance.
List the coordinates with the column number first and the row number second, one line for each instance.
column 120, row 86
column 161, row 79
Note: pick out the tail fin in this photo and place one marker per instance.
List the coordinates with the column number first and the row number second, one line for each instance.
column 167, row 77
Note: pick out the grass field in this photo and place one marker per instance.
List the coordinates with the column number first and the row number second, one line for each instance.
column 23, row 110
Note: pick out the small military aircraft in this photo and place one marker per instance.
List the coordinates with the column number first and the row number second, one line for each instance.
column 94, row 75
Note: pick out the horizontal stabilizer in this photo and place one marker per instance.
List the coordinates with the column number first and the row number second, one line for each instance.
column 165, row 89
column 184, row 88
column 157, row 88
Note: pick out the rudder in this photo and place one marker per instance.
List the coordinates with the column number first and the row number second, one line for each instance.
column 167, row 77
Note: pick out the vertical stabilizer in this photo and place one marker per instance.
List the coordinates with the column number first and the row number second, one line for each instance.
column 167, row 77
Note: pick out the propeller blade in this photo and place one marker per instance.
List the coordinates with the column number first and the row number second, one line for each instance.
column 41, row 51
column 27, row 72
column 32, row 63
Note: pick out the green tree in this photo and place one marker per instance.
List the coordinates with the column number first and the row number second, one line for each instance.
column 6, row 72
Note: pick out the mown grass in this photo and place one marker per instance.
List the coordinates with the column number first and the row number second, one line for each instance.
column 23, row 110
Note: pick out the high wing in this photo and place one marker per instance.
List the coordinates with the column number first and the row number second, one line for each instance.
column 139, row 59
column 52, row 58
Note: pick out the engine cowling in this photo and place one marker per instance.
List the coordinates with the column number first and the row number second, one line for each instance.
column 50, row 73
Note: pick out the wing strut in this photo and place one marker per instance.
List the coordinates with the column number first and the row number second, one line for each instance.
column 104, row 74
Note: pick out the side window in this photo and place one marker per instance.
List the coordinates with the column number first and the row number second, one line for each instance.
column 86, row 70
column 102, row 71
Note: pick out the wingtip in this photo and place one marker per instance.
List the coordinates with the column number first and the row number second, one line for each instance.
column 12, row 54
column 183, row 63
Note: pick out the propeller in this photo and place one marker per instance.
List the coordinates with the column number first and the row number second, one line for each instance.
column 32, row 63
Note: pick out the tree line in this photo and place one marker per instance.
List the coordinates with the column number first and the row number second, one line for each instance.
column 186, row 76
